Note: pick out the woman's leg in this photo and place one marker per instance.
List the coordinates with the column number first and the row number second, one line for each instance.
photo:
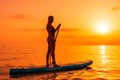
column 53, row 53
column 48, row 55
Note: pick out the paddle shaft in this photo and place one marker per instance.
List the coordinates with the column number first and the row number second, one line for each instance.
column 57, row 33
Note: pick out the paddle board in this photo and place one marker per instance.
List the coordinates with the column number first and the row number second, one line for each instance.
column 67, row 67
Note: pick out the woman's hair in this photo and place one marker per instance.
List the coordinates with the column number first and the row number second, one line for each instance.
column 50, row 17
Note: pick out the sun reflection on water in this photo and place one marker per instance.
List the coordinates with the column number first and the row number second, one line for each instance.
column 103, row 54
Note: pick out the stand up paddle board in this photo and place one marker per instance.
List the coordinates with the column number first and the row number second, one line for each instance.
column 68, row 67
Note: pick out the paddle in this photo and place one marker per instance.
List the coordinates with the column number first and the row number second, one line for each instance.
column 57, row 31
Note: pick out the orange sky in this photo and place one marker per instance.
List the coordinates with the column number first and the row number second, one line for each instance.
column 72, row 14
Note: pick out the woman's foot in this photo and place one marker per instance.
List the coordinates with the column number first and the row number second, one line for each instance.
column 55, row 65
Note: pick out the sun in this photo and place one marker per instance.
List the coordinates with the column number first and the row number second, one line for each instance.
column 102, row 27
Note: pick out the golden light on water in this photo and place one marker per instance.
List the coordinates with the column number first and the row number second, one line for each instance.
column 103, row 49
column 103, row 54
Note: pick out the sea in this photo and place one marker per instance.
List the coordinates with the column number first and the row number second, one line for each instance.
column 28, row 48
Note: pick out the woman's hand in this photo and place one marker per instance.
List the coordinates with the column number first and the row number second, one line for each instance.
column 59, row 25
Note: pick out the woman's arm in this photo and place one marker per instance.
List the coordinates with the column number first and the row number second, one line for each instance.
column 57, row 27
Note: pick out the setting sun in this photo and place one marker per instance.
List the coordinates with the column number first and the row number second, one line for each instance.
column 103, row 27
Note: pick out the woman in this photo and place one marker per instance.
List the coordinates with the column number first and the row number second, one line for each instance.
column 51, row 41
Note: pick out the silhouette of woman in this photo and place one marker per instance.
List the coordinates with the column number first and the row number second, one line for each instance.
column 51, row 41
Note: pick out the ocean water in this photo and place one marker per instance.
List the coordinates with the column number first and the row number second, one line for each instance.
column 29, row 50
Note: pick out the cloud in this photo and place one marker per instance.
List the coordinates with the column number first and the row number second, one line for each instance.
column 115, row 8
column 24, row 17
